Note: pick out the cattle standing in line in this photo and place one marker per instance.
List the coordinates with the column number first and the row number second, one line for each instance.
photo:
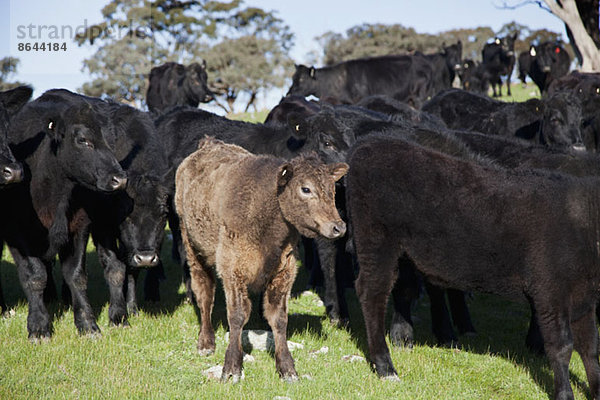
column 11, row 101
column 544, row 63
column 404, row 77
column 173, row 84
column 471, row 226
column 553, row 121
column 498, row 59
column 61, row 147
column 242, row 215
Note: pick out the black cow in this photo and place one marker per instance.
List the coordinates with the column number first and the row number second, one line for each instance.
column 11, row 102
column 553, row 121
column 404, row 77
column 586, row 86
column 127, row 227
column 470, row 225
column 544, row 63
column 445, row 65
column 60, row 146
column 473, row 77
column 173, row 84
column 288, row 105
column 498, row 59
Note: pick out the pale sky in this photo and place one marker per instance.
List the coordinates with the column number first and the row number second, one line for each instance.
column 39, row 21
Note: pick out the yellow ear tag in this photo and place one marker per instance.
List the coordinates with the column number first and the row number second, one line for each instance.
column 51, row 125
column 297, row 127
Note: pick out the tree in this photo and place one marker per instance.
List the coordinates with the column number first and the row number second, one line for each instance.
column 8, row 67
column 581, row 28
column 136, row 35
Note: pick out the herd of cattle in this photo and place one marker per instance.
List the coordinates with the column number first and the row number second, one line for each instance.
column 442, row 186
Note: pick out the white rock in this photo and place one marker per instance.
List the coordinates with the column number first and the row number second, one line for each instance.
column 261, row 340
column 352, row 358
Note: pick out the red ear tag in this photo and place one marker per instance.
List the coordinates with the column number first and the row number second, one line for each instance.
column 557, row 50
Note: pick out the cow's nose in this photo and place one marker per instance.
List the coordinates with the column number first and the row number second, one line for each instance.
column 335, row 230
column 145, row 259
column 12, row 173
column 118, row 182
column 546, row 68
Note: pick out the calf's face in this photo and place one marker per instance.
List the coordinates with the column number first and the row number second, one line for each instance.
column 306, row 196
column 142, row 228
column 81, row 148
column 561, row 124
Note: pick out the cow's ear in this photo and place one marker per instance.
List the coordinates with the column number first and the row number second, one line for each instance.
column 285, row 174
column 338, row 170
column 311, row 72
column 14, row 99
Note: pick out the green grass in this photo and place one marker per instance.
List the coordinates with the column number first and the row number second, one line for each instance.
column 519, row 93
column 155, row 358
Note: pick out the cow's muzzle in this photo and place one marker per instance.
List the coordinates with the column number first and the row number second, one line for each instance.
column 144, row 259
column 333, row 230
column 12, row 173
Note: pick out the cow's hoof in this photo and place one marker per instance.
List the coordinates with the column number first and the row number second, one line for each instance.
column 290, row 378
column 391, row 378
column 39, row 337
column 206, row 352
column 232, row 377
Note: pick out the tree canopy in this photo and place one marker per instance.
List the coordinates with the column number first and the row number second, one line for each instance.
column 243, row 46
column 8, row 68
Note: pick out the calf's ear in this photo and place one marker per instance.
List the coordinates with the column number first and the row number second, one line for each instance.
column 338, row 170
column 284, row 175
column 312, row 72
column 54, row 128
column 15, row 98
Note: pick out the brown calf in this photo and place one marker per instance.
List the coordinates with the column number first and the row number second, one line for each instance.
column 241, row 215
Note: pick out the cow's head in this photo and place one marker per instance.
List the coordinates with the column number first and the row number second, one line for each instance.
column 453, row 56
column 80, row 147
column 11, row 102
column 306, row 196
column 324, row 133
column 508, row 44
column 561, row 123
column 304, row 82
column 195, row 83
column 142, row 226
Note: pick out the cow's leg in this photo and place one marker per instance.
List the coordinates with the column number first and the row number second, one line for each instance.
column 440, row 317
column 534, row 340
column 72, row 257
column 152, row 282
column 460, row 311
column 50, row 293
column 238, row 312
column 585, row 340
column 130, row 290
column 114, row 273
column 3, row 307
column 376, row 277
column 276, row 313
column 179, row 253
column 327, row 255
column 406, row 289
column 33, row 277
column 508, row 85
column 558, row 342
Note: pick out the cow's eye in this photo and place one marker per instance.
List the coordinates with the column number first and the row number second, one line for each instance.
column 327, row 143
column 306, row 190
column 84, row 142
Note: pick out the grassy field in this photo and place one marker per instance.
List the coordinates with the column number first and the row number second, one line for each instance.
column 155, row 358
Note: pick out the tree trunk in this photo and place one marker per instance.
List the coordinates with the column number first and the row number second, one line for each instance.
column 568, row 12
column 251, row 101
